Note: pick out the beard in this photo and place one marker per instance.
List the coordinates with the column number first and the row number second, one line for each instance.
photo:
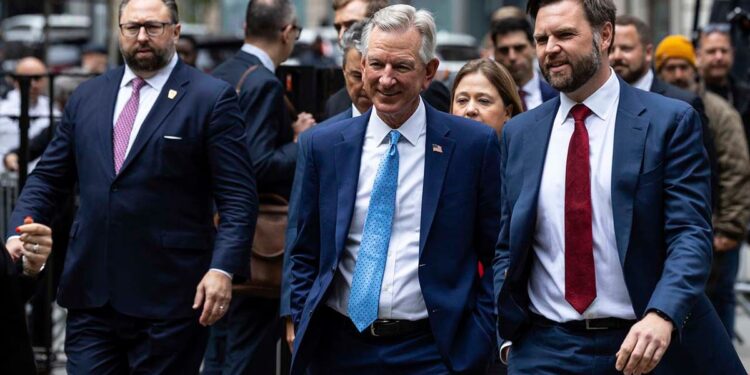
column 158, row 59
column 630, row 74
column 581, row 71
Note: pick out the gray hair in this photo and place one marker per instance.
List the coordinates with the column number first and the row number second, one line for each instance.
column 171, row 5
column 352, row 38
column 401, row 17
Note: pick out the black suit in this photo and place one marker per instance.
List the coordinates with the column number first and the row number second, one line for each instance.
column 270, row 136
column 436, row 95
column 16, row 356
column 660, row 87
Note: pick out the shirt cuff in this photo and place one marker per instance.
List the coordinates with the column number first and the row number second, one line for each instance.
column 506, row 344
column 229, row 275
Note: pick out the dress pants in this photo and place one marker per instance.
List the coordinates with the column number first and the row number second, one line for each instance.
column 720, row 286
column 244, row 341
column 104, row 341
column 554, row 350
column 341, row 350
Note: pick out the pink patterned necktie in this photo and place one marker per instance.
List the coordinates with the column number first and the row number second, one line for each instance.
column 124, row 124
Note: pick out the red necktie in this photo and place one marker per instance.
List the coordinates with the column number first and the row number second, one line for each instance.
column 522, row 94
column 580, row 279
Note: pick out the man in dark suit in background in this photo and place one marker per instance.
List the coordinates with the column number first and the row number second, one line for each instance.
column 631, row 59
column 347, row 12
column 249, row 333
column 154, row 146
column 400, row 204
column 514, row 49
column 361, row 103
column 603, row 253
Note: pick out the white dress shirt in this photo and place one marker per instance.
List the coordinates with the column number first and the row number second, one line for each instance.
column 264, row 58
column 356, row 113
column 10, row 108
column 533, row 92
column 400, row 293
column 644, row 83
column 547, row 281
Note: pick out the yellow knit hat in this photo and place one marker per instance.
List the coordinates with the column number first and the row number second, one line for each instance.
column 674, row 46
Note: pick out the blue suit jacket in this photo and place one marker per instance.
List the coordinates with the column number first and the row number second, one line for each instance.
column 270, row 137
column 662, row 218
column 303, row 143
column 548, row 92
column 143, row 239
column 460, row 222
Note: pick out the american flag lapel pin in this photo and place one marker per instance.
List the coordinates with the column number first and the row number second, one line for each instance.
column 172, row 94
column 437, row 148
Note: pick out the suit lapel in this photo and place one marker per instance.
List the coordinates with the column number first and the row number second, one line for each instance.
column 105, row 124
column 631, row 128
column 348, row 154
column 171, row 94
column 435, row 167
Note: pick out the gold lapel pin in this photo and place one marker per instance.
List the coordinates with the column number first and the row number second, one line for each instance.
column 172, row 94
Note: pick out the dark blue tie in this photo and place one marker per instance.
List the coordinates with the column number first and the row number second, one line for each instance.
column 373, row 251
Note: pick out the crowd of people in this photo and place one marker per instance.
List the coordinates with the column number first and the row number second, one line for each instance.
column 575, row 203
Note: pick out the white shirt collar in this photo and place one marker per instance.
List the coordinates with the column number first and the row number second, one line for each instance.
column 410, row 129
column 600, row 101
column 532, row 85
column 644, row 83
column 264, row 58
column 355, row 111
column 157, row 81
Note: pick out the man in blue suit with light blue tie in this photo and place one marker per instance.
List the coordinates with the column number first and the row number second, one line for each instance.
column 153, row 147
column 398, row 207
column 605, row 243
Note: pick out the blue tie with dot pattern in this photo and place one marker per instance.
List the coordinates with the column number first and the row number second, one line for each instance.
column 373, row 251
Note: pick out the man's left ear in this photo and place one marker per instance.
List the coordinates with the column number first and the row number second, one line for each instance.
column 608, row 36
column 430, row 71
column 177, row 30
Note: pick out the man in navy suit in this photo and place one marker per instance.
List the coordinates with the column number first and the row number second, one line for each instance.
column 605, row 241
column 245, row 342
column 514, row 49
column 153, row 147
column 360, row 104
column 399, row 205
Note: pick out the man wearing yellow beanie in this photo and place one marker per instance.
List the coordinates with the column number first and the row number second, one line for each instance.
column 676, row 64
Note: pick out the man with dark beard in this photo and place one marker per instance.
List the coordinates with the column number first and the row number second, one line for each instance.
column 605, row 239
column 153, row 147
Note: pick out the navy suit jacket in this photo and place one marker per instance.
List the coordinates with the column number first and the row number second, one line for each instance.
column 303, row 143
column 143, row 239
column 662, row 219
column 460, row 222
column 270, row 137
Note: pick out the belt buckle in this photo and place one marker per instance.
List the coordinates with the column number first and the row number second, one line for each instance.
column 589, row 327
column 372, row 330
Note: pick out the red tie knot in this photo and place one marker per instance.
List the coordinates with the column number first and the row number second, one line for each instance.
column 580, row 112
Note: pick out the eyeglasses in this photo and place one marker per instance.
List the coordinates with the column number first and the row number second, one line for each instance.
column 716, row 27
column 345, row 25
column 296, row 28
column 153, row 28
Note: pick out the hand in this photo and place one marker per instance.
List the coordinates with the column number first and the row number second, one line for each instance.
column 644, row 345
column 290, row 333
column 722, row 243
column 11, row 162
column 304, row 121
column 33, row 245
column 214, row 292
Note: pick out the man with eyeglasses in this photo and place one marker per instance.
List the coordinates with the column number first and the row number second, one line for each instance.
column 514, row 49
column 153, row 147
column 245, row 342
column 346, row 13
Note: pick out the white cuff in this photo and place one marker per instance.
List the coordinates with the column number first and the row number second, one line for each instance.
column 229, row 275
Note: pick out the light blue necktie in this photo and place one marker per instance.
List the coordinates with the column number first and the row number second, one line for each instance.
column 373, row 251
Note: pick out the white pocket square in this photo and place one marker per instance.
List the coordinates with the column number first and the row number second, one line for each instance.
column 172, row 137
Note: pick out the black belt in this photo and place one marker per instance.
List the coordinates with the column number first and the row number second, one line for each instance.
column 586, row 324
column 383, row 327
